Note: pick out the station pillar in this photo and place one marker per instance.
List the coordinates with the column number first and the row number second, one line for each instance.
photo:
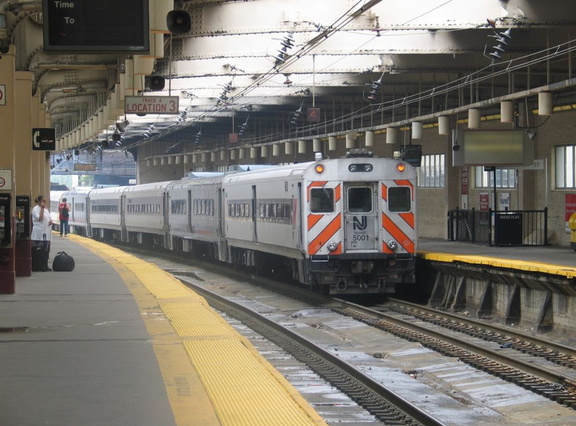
column 7, row 165
column 25, row 112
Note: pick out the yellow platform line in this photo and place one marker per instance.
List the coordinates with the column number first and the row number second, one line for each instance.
column 521, row 265
column 223, row 380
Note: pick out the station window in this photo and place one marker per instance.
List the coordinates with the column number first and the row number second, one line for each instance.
column 322, row 200
column 432, row 171
column 505, row 178
column 565, row 160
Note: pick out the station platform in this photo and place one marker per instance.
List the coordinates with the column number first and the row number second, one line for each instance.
column 530, row 287
column 560, row 261
column 118, row 341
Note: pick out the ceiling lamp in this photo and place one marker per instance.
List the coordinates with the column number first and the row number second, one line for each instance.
column 391, row 134
column 369, row 139
column 507, row 111
column 545, row 106
column 443, row 125
column 417, row 130
column 473, row 118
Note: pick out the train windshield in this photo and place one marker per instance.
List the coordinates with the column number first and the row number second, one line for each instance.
column 360, row 200
column 399, row 199
column 322, row 200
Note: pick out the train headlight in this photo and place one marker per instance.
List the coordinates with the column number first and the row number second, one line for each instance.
column 360, row 167
column 319, row 168
column 332, row 246
column 392, row 245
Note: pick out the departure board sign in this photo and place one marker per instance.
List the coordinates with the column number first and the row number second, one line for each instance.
column 96, row 25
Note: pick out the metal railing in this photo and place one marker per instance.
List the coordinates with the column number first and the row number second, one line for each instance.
column 499, row 228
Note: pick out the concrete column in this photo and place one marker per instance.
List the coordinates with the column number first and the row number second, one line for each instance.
column 7, row 165
column 24, row 106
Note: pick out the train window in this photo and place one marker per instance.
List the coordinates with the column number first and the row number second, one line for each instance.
column 399, row 199
column 322, row 200
column 288, row 211
column 178, row 207
column 359, row 200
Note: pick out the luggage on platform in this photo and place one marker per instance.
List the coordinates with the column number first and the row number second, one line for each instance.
column 40, row 250
column 63, row 262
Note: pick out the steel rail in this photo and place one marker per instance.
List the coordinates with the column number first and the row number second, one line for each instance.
column 509, row 333
column 459, row 344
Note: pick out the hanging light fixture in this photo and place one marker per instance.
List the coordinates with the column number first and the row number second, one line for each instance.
column 417, row 127
column 507, row 111
column 391, row 134
column 473, row 118
column 545, row 106
column 443, row 125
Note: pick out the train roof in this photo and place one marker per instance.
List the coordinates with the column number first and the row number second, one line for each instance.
column 148, row 186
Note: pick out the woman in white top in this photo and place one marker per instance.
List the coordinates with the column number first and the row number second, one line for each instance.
column 41, row 233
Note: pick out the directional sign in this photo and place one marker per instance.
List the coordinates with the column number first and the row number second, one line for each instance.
column 43, row 139
column 151, row 104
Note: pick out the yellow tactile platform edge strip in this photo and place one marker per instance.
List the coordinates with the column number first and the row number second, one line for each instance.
column 242, row 387
column 521, row 265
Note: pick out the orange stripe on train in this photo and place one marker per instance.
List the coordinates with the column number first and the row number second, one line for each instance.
column 328, row 232
column 402, row 239
column 313, row 219
column 408, row 218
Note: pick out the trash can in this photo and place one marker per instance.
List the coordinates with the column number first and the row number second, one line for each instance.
column 572, row 225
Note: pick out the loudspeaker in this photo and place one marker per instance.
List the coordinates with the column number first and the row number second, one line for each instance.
column 155, row 83
column 178, row 21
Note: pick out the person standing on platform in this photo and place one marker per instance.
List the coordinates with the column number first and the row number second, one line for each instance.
column 41, row 235
column 63, row 216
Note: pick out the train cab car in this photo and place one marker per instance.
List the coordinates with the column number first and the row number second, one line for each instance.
column 359, row 229
column 105, row 214
column 194, row 216
column 145, row 215
column 341, row 226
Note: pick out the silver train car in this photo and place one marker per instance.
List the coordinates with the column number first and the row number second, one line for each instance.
column 339, row 226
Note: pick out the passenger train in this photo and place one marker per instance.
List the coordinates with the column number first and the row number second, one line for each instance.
column 339, row 226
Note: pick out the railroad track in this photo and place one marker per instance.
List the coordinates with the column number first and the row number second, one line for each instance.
column 558, row 386
column 382, row 403
column 515, row 357
column 562, row 355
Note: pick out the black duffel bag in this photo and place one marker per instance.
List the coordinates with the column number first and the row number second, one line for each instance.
column 63, row 262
